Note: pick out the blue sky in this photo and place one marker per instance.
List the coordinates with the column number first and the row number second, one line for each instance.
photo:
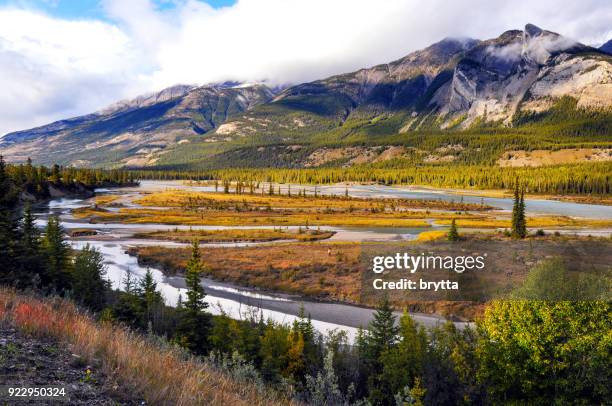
column 64, row 58
column 89, row 9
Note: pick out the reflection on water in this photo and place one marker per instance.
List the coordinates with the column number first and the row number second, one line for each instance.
column 119, row 263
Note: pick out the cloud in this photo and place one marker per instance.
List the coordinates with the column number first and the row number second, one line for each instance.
column 52, row 68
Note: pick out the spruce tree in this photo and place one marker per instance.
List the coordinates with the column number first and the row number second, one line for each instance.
column 57, row 254
column 195, row 323
column 519, row 224
column 453, row 234
column 151, row 299
column 30, row 261
column 89, row 286
column 8, row 226
column 522, row 221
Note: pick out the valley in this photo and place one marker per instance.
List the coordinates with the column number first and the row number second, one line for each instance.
column 263, row 243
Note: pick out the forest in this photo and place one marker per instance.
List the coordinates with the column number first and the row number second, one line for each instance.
column 521, row 352
column 579, row 179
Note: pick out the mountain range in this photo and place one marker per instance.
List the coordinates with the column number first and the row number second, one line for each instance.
column 455, row 87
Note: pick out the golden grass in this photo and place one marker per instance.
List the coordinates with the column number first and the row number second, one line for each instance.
column 431, row 235
column 182, row 198
column 532, row 222
column 235, row 235
column 260, row 218
column 105, row 199
column 163, row 375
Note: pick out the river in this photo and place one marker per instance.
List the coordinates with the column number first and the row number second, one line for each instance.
column 112, row 240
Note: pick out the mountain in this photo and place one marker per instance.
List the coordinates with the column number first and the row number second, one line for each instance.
column 137, row 131
column 529, row 81
column 607, row 47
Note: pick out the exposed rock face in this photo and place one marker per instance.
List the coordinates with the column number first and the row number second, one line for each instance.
column 396, row 85
column 525, row 69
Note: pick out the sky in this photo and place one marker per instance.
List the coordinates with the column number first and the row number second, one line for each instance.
column 61, row 58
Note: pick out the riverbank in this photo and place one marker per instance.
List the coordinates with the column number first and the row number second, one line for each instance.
column 341, row 272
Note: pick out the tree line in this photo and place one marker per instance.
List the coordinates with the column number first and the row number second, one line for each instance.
column 37, row 180
column 580, row 179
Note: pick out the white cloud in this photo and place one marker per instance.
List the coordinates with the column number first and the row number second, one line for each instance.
column 52, row 68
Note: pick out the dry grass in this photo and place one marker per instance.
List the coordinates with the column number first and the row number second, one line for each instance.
column 162, row 374
column 432, row 235
column 105, row 199
column 251, row 218
column 235, row 235
column 181, row 198
column 542, row 221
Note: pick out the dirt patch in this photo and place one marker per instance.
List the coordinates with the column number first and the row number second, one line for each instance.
column 390, row 153
column 353, row 155
column 28, row 361
column 545, row 157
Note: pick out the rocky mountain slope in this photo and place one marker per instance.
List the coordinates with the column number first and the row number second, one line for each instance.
column 454, row 85
column 607, row 47
column 135, row 132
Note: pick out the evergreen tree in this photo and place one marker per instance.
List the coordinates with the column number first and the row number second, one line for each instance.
column 522, row 220
column 89, row 286
column 8, row 226
column 31, row 260
column 195, row 323
column 453, row 234
column 151, row 299
column 57, row 254
column 382, row 331
column 519, row 224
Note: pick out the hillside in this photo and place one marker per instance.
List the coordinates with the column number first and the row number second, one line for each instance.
column 456, row 101
column 138, row 131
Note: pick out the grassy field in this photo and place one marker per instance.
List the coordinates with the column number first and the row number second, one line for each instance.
column 254, row 218
column 186, row 199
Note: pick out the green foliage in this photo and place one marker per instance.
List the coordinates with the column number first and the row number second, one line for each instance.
column 551, row 280
column 519, row 221
column 195, row 324
column 453, row 234
column 57, row 253
column 542, row 352
column 88, row 283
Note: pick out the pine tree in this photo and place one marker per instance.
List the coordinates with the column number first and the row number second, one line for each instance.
column 151, row 298
column 28, row 252
column 519, row 224
column 453, row 234
column 522, row 223
column 8, row 226
column 57, row 254
column 89, row 286
column 195, row 323
column 382, row 332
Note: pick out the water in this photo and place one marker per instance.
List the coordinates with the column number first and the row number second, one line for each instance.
column 113, row 240
column 534, row 206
